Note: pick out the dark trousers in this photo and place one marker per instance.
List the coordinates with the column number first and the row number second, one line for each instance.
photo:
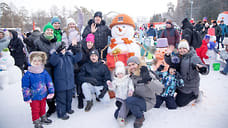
column 169, row 100
column 51, row 105
column 63, row 102
column 38, row 108
column 183, row 99
column 136, row 105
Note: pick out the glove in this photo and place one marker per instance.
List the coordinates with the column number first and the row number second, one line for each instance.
column 103, row 91
column 160, row 68
column 203, row 70
column 60, row 48
column 144, row 73
column 91, row 80
column 75, row 49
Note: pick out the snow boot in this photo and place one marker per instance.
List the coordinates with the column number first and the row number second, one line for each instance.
column 80, row 102
column 45, row 120
column 89, row 105
column 139, row 122
column 65, row 117
column 70, row 111
column 37, row 124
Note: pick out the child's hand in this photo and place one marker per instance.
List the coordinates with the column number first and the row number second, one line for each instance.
column 109, row 83
column 130, row 93
column 74, row 42
column 29, row 101
column 50, row 96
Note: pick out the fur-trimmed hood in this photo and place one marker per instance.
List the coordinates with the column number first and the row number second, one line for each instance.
column 38, row 53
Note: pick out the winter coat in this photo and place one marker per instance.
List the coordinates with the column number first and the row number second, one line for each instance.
column 224, row 29
column 85, row 53
column 31, row 39
column 170, row 83
column 202, row 51
column 187, row 31
column 218, row 30
column 36, row 86
column 198, row 27
column 64, row 70
column 4, row 42
column 121, row 86
column 58, row 35
column 151, row 32
column 203, row 33
column 97, row 70
column 72, row 33
column 172, row 35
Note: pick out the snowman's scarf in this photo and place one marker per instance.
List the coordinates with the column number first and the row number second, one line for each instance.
column 125, row 40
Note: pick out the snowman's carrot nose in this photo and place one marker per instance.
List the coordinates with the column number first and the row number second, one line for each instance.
column 120, row 29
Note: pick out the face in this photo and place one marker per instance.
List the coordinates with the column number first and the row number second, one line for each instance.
column 172, row 71
column 119, row 75
column 97, row 20
column 133, row 67
column 71, row 25
column 56, row 25
column 1, row 35
column 37, row 61
column 168, row 25
column 49, row 32
column 182, row 51
column 94, row 58
column 89, row 44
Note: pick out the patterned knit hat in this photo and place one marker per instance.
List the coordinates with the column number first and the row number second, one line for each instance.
column 90, row 37
column 48, row 25
column 122, row 19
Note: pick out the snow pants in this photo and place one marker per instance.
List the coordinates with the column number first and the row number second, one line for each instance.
column 183, row 99
column 38, row 108
column 169, row 100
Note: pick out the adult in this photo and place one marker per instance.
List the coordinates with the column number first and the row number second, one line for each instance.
column 29, row 41
column 46, row 42
column 17, row 50
column 198, row 27
column 151, row 32
column 205, row 30
column 146, row 88
column 171, row 34
column 218, row 32
column 93, row 76
column 56, row 22
column 187, row 31
column 224, row 31
column 190, row 67
column 101, row 31
column 4, row 42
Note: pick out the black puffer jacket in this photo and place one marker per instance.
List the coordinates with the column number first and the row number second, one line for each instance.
column 31, row 39
column 187, row 31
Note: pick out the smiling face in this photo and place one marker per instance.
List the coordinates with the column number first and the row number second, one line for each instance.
column 183, row 51
column 71, row 25
column 123, row 31
column 49, row 32
column 56, row 25
column 133, row 67
column 94, row 58
column 36, row 61
column 89, row 44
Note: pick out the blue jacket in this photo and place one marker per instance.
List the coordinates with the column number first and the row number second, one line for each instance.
column 36, row 86
column 64, row 70
column 224, row 29
column 151, row 32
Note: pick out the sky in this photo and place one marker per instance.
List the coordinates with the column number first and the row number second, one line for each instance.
column 130, row 7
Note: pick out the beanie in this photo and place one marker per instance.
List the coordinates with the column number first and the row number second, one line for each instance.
column 183, row 44
column 169, row 22
column 55, row 19
column 36, row 54
column 162, row 43
column 120, row 68
column 98, row 13
column 122, row 19
column 70, row 20
column 133, row 59
column 94, row 51
column 48, row 25
column 90, row 37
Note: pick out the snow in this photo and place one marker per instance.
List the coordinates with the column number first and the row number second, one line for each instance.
column 210, row 112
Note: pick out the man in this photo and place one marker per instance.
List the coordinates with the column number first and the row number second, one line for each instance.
column 101, row 32
column 29, row 41
column 218, row 32
column 224, row 31
column 151, row 32
column 55, row 21
column 146, row 87
column 94, row 76
column 171, row 34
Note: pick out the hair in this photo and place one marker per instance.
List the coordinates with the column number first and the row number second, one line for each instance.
column 66, row 29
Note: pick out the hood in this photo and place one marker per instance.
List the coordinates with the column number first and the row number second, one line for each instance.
column 186, row 24
column 92, row 21
column 14, row 34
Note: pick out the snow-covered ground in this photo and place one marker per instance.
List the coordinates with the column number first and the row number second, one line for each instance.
column 211, row 112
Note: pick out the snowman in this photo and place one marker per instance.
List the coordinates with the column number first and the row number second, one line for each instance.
column 9, row 73
column 122, row 28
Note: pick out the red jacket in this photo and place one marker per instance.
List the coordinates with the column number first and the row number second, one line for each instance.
column 202, row 51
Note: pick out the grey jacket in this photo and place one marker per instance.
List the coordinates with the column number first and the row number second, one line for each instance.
column 4, row 42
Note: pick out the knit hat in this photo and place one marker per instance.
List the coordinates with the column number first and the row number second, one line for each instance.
column 122, row 19
column 204, row 18
column 2, row 32
column 48, row 25
column 37, row 29
column 98, row 13
column 183, row 44
column 90, row 37
column 70, row 20
column 94, row 51
column 169, row 22
column 36, row 54
column 120, row 68
column 133, row 59
column 55, row 19
column 162, row 43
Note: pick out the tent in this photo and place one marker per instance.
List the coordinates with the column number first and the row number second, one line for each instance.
column 223, row 16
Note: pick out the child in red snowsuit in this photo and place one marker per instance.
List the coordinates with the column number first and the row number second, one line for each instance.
column 202, row 51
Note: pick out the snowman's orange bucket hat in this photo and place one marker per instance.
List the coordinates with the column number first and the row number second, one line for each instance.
column 122, row 19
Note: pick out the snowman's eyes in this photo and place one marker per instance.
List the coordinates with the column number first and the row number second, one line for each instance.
column 123, row 26
column 117, row 27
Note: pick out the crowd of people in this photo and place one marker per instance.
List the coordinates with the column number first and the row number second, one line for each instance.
column 58, row 65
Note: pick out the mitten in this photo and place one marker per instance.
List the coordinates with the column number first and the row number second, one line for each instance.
column 60, row 48
column 103, row 91
column 75, row 49
column 144, row 73
column 91, row 80
column 203, row 70
column 160, row 68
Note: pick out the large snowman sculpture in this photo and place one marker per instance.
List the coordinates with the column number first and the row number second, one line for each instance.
column 122, row 28
column 9, row 73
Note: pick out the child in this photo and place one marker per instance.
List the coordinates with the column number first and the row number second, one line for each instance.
column 171, row 80
column 202, row 51
column 63, row 63
column 123, row 87
column 36, row 87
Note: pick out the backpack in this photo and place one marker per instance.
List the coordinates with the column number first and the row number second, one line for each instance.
column 196, row 39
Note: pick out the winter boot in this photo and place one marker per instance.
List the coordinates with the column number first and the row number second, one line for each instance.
column 45, row 120
column 89, row 105
column 139, row 122
column 80, row 102
column 70, row 111
column 65, row 117
column 37, row 124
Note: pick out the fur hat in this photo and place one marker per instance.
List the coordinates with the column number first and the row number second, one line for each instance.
column 94, row 51
column 55, row 19
column 162, row 43
column 122, row 19
column 183, row 44
column 90, row 37
column 48, row 25
column 133, row 59
column 98, row 13
column 70, row 20
column 120, row 68
column 36, row 54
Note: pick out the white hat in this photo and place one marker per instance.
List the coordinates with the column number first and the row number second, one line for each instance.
column 183, row 44
column 120, row 68
column 70, row 20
